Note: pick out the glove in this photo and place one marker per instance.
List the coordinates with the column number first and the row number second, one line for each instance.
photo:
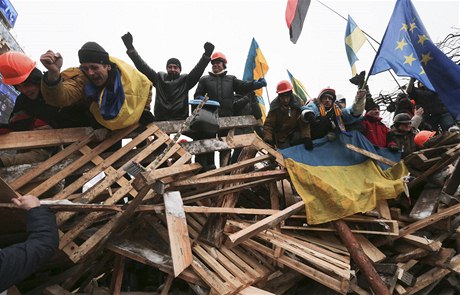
column 308, row 143
column 260, row 83
column 393, row 147
column 358, row 80
column 308, row 116
column 128, row 40
column 208, row 48
column 146, row 118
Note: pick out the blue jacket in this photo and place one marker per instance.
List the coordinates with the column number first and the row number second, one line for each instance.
column 20, row 260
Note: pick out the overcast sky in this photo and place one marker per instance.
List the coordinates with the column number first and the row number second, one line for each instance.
column 172, row 28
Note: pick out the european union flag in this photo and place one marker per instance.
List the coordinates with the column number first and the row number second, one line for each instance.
column 408, row 50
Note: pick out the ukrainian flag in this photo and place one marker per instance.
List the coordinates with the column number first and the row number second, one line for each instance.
column 354, row 40
column 335, row 182
column 298, row 88
column 256, row 67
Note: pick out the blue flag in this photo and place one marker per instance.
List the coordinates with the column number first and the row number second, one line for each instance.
column 408, row 50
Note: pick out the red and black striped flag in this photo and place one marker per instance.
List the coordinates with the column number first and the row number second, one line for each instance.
column 296, row 11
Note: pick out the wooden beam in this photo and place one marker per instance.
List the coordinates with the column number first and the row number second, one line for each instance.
column 254, row 229
column 42, row 138
column 371, row 155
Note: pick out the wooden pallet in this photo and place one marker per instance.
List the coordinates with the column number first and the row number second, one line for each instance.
column 112, row 189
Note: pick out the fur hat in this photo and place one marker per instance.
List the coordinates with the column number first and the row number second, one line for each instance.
column 91, row 52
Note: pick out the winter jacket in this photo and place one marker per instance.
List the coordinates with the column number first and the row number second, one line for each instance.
column 29, row 114
column 70, row 90
column 21, row 260
column 404, row 141
column 221, row 88
column 375, row 130
column 324, row 124
column 429, row 101
column 171, row 99
column 281, row 124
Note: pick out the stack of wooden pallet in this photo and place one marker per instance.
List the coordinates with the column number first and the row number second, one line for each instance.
column 238, row 229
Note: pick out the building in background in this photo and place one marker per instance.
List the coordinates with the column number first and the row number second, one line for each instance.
column 8, row 94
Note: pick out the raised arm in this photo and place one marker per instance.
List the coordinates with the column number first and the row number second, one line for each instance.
column 140, row 64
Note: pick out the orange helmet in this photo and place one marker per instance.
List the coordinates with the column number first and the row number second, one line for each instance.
column 283, row 86
column 422, row 137
column 15, row 67
column 219, row 55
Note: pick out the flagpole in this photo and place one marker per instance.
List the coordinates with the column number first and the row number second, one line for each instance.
column 266, row 89
column 375, row 50
column 347, row 20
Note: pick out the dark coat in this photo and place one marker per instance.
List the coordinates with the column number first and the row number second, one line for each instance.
column 404, row 141
column 221, row 88
column 280, row 124
column 171, row 99
column 21, row 260
column 26, row 111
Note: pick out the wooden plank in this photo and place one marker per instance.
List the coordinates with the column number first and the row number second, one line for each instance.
column 167, row 285
column 340, row 286
column 254, row 291
column 43, row 138
column 227, row 179
column 154, row 175
column 178, row 234
column 371, row 155
column 423, row 243
column 371, row 251
column 427, row 279
column 115, row 137
column 224, row 123
column 426, row 203
column 214, row 282
column 415, row 226
column 36, row 171
column 250, row 231
column 117, row 275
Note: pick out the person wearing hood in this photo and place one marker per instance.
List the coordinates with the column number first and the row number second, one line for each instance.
column 282, row 126
column 325, row 116
column 116, row 93
column 171, row 98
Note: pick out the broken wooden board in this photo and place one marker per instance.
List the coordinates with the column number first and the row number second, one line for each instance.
column 179, row 240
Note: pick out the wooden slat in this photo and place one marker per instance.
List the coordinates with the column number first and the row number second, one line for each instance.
column 42, row 138
column 250, row 231
column 179, row 241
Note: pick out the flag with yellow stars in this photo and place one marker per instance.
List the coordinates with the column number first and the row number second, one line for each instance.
column 407, row 49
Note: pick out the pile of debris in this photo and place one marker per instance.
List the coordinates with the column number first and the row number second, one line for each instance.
column 238, row 229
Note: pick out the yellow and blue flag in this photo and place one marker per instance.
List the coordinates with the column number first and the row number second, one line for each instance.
column 298, row 88
column 344, row 182
column 354, row 40
column 407, row 49
column 256, row 67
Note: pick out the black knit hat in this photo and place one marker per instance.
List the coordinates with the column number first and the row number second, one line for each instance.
column 370, row 104
column 35, row 77
column 91, row 52
column 174, row 61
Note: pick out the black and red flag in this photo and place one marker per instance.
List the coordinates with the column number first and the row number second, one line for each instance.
column 296, row 11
